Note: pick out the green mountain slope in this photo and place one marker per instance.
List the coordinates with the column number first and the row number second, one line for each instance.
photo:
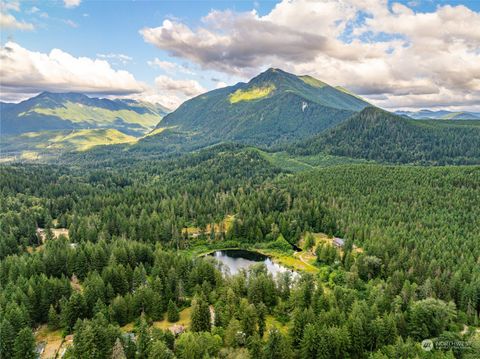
column 45, row 145
column 273, row 107
column 377, row 135
column 63, row 111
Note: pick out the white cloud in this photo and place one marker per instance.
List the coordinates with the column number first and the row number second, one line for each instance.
column 170, row 92
column 164, row 65
column 71, row 3
column 187, row 88
column 121, row 58
column 71, row 23
column 27, row 72
column 10, row 5
column 236, row 51
column 8, row 21
column 395, row 56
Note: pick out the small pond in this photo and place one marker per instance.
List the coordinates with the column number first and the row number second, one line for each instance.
column 237, row 259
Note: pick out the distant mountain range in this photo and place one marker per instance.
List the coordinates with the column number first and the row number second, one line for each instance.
column 440, row 115
column 293, row 116
column 70, row 111
column 274, row 107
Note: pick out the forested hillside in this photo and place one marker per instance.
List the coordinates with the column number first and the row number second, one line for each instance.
column 68, row 111
column 377, row 135
column 408, row 271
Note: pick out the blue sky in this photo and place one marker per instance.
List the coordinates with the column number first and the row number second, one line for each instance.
column 111, row 31
column 112, row 27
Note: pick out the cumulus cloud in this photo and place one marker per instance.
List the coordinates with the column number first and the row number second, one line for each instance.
column 71, row 3
column 8, row 21
column 172, row 92
column 392, row 54
column 187, row 88
column 235, row 51
column 24, row 72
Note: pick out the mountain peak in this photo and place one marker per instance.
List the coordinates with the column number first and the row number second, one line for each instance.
column 272, row 75
column 45, row 94
column 62, row 95
column 272, row 108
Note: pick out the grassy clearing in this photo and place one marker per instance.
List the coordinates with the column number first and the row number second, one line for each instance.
column 303, row 163
column 53, row 341
column 224, row 226
column 322, row 237
column 184, row 320
column 285, row 161
column 128, row 328
column 271, row 322
column 251, row 94
column 56, row 232
column 164, row 324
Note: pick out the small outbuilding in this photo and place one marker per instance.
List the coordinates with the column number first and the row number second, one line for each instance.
column 177, row 329
column 338, row 242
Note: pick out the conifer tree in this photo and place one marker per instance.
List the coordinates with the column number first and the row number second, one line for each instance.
column 24, row 345
column 53, row 319
column 117, row 351
column 309, row 344
column 200, row 317
column 7, row 339
column 159, row 350
column 277, row 346
column 172, row 312
column 143, row 339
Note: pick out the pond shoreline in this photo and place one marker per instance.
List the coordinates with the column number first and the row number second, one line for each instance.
column 291, row 261
column 236, row 260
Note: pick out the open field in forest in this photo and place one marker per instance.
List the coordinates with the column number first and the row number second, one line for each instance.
column 223, row 226
column 52, row 339
column 184, row 320
column 164, row 324
column 56, row 233
column 271, row 322
column 322, row 237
